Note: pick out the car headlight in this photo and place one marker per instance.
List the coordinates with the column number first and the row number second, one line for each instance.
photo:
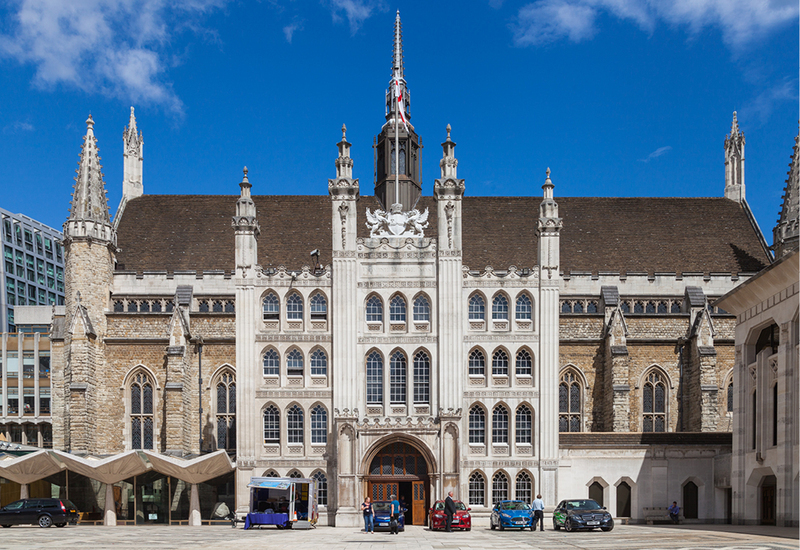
column 505, row 514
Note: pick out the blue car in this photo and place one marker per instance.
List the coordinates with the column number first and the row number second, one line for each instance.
column 382, row 516
column 511, row 513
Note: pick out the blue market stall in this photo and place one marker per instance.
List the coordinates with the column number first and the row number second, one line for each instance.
column 285, row 502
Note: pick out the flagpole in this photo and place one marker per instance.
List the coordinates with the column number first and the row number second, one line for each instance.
column 397, row 142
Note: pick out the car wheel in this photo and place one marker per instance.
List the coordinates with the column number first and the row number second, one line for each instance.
column 468, row 529
column 60, row 524
column 491, row 525
column 568, row 526
column 501, row 526
column 45, row 521
column 556, row 526
column 6, row 526
column 607, row 529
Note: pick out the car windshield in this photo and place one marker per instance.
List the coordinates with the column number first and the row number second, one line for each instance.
column 381, row 507
column 582, row 505
column 460, row 506
column 514, row 506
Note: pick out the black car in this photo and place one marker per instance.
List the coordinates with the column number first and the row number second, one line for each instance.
column 581, row 513
column 39, row 511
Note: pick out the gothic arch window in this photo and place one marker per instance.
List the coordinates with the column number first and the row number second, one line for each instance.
column 397, row 309
column 271, row 307
column 477, row 308
column 319, row 307
column 295, row 474
column 524, row 311
column 654, row 403
column 422, row 309
column 294, row 307
column 397, row 377
column 294, row 362
column 226, row 411
column 524, row 425
column 500, row 425
column 477, row 489
column 374, row 310
column 477, row 363
column 499, row 487
column 577, row 307
column 270, row 473
column 294, row 424
column 500, row 307
column 322, row 487
column 500, row 363
column 675, row 307
column 319, row 425
column 477, row 425
column 624, row 307
column 375, row 378
column 272, row 363
column 569, row 403
column 422, row 377
column 319, row 362
column 524, row 363
column 272, row 425
column 524, row 488
column 141, row 417
column 566, row 307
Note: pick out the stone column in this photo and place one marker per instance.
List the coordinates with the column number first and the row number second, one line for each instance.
column 109, row 511
column 194, row 506
column 23, row 490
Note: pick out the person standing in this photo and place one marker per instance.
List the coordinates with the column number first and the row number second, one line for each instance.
column 369, row 516
column 674, row 512
column 538, row 512
column 449, row 510
column 394, row 511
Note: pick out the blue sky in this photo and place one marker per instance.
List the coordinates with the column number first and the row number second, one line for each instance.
column 617, row 97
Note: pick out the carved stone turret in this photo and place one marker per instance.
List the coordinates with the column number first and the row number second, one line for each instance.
column 785, row 234
column 247, row 229
column 344, row 192
column 133, row 155
column 448, row 191
column 734, row 163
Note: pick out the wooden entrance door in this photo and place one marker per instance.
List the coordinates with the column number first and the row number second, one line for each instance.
column 418, row 502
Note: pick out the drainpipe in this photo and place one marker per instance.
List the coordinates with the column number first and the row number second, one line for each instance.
column 200, row 391
column 680, row 345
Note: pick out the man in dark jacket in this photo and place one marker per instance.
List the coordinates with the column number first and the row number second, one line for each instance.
column 449, row 510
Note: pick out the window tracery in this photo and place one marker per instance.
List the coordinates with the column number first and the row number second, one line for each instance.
column 500, row 363
column 524, row 363
column 272, row 363
column 524, row 310
column 294, row 307
column 397, row 378
column 569, row 403
column 397, row 309
column 375, row 378
column 499, row 488
column 422, row 374
column 477, row 489
column 319, row 307
column 477, row 363
column 319, row 363
column 272, row 425
column 271, row 307
column 422, row 309
column 477, row 308
column 500, row 425
column 500, row 308
column 141, row 417
column 477, row 425
column 374, row 310
column 319, row 425
column 226, row 412
column 524, row 425
column 294, row 425
column 654, row 398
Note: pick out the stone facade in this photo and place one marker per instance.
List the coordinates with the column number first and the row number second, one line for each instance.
column 381, row 363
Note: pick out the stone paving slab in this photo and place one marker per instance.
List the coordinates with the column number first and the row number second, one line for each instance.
column 623, row 537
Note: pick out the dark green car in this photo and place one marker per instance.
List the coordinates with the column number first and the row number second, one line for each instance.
column 574, row 514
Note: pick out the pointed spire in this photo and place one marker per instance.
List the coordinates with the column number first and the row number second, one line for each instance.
column 449, row 162
column 131, row 136
column 245, row 184
column 734, row 163
column 397, row 54
column 548, row 185
column 89, row 199
column 786, row 234
column 344, row 164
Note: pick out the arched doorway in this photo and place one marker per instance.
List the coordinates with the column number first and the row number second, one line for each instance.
column 400, row 469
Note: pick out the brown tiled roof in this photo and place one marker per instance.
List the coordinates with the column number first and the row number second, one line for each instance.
column 193, row 232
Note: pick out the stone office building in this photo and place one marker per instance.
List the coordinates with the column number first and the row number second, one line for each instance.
column 405, row 342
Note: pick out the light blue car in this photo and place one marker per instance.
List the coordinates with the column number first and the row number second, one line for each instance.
column 511, row 513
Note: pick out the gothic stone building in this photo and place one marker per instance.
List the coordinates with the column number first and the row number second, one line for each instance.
column 408, row 342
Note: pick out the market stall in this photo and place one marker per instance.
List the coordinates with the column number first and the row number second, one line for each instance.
column 285, row 502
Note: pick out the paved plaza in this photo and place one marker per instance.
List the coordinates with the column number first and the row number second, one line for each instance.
column 623, row 537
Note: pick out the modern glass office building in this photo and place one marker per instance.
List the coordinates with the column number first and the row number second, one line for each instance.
column 32, row 270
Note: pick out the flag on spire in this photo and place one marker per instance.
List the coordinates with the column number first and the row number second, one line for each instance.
column 400, row 103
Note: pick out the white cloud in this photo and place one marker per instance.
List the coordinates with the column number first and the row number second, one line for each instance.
column 356, row 11
column 289, row 30
column 657, row 153
column 740, row 21
column 19, row 126
column 116, row 47
column 760, row 108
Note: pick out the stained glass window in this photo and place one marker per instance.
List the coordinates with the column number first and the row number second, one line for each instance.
column 226, row 412
column 569, row 403
column 141, row 412
column 654, row 403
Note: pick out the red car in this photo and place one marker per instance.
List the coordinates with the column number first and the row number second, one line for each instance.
column 461, row 519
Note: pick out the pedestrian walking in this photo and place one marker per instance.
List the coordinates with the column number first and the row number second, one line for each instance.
column 394, row 511
column 538, row 512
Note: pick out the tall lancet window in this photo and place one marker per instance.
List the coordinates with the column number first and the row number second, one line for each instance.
column 375, row 378
column 142, row 412
column 569, row 403
column 422, row 378
column 226, row 412
column 654, row 399
column 397, row 378
column 402, row 158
